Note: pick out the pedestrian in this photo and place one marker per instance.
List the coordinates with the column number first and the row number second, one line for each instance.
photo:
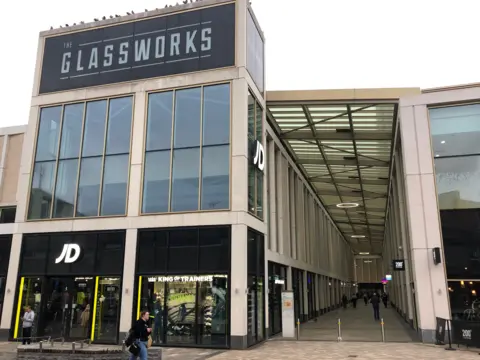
column 385, row 299
column 27, row 323
column 354, row 300
column 375, row 300
column 344, row 301
column 365, row 298
column 140, row 334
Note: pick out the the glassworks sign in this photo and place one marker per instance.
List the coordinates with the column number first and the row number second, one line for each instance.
column 186, row 42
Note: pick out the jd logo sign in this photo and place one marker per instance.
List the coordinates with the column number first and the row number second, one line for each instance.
column 259, row 157
column 70, row 254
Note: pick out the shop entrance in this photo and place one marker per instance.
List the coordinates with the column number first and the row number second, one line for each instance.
column 67, row 308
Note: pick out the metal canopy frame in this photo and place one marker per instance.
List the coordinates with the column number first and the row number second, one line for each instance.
column 344, row 149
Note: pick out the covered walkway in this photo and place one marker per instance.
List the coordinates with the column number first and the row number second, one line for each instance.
column 358, row 325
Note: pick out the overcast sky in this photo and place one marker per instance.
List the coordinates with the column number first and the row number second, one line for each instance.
column 310, row 44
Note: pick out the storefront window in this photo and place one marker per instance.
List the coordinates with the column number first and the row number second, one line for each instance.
column 256, row 290
column 255, row 175
column 277, row 276
column 183, row 283
column 464, row 300
column 70, row 147
column 186, row 309
column 192, row 172
column 75, row 300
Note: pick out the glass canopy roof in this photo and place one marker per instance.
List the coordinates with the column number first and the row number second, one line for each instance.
column 344, row 150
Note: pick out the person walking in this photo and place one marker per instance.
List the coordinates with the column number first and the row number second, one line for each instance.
column 354, row 300
column 27, row 323
column 140, row 333
column 375, row 300
column 365, row 298
column 385, row 299
column 344, row 301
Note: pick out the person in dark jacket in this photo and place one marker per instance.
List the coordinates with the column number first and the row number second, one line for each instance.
column 344, row 301
column 375, row 300
column 385, row 299
column 141, row 332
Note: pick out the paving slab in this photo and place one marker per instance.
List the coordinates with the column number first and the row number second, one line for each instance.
column 315, row 350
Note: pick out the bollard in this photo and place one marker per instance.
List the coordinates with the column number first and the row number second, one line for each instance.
column 40, row 344
column 298, row 328
column 73, row 348
column 449, row 338
column 383, row 330
column 339, row 338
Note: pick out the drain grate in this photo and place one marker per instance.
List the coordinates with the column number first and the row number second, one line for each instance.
column 352, row 356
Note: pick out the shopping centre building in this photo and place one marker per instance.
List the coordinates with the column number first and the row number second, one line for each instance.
column 157, row 173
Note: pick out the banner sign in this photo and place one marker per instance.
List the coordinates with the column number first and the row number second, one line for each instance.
column 466, row 333
column 288, row 314
column 186, row 42
column 440, row 331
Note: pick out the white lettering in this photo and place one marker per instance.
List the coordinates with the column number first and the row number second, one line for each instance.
column 70, row 254
column 108, row 61
column 190, row 45
column 66, row 62
column 142, row 50
column 259, row 159
column 123, row 58
column 160, row 47
column 175, row 44
column 206, row 39
column 93, row 59
column 79, row 61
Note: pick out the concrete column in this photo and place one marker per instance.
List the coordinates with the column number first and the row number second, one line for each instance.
column 305, row 295
column 272, row 172
column 129, row 293
column 293, row 218
column 404, row 228
column 423, row 219
column 3, row 158
column 280, row 189
column 11, row 290
column 289, row 279
column 238, row 290
column 321, row 293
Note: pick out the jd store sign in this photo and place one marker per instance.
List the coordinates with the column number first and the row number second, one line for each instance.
column 258, row 155
column 191, row 41
column 70, row 254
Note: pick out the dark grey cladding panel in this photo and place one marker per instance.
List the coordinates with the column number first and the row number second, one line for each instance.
column 186, row 42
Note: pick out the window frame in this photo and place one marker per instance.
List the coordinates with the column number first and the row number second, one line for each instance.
column 58, row 159
column 173, row 148
column 256, row 105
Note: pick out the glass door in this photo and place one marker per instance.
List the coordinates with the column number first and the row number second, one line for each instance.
column 180, row 309
column 106, row 309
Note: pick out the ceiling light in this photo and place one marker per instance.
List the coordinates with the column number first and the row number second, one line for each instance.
column 442, row 142
column 368, row 261
column 347, row 205
column 364, row 253
column 357, row 236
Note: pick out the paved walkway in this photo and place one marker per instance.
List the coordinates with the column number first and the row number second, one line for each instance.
column 316, row 350
column 358, row 325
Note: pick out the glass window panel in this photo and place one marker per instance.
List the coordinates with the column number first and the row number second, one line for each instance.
column 214, row 250
column 212, row 311
column 455, row 130
column 114, row 191
column 457, row 182
column 251, row 117
column 31, row 296
column 145, row 251
column 187, row 118
column 108, row 309
column 258, row 123
column 119, row 126
column 48, row 132
column 71, row 131
column 180, row 302
column 259, row 194
column 152, row 299
column 183, row 251
column 216, row 114
column 464, row 298
column 156, row 182
column 159, row 123
column 65, row 188
column 94, row 132
column 41, row 191
column 110, row 253
column 185, row 179
column 89, row 186
column 215, row 177
column 34, row 255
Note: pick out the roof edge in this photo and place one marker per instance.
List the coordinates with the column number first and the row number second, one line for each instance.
column 450, row 87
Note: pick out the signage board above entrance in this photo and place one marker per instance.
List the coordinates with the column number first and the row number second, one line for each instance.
column 191, row 41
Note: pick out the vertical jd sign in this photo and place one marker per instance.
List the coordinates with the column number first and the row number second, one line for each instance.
column 259, row 156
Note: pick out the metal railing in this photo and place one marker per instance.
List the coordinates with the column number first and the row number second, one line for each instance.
column 88, row 342
column 32, row 339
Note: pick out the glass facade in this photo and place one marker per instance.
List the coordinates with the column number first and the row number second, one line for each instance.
column 255, row 175
column 187, row 151
column 76, row 300
column 82, row 160
column 256, row 288
column 277, row 282
column 255, row 53
column 455, row 131
column 183, row 281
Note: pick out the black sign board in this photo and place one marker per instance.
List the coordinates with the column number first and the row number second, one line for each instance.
column 466, row 333
column 440, row 331
column 398, row 265
column 180, row 43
